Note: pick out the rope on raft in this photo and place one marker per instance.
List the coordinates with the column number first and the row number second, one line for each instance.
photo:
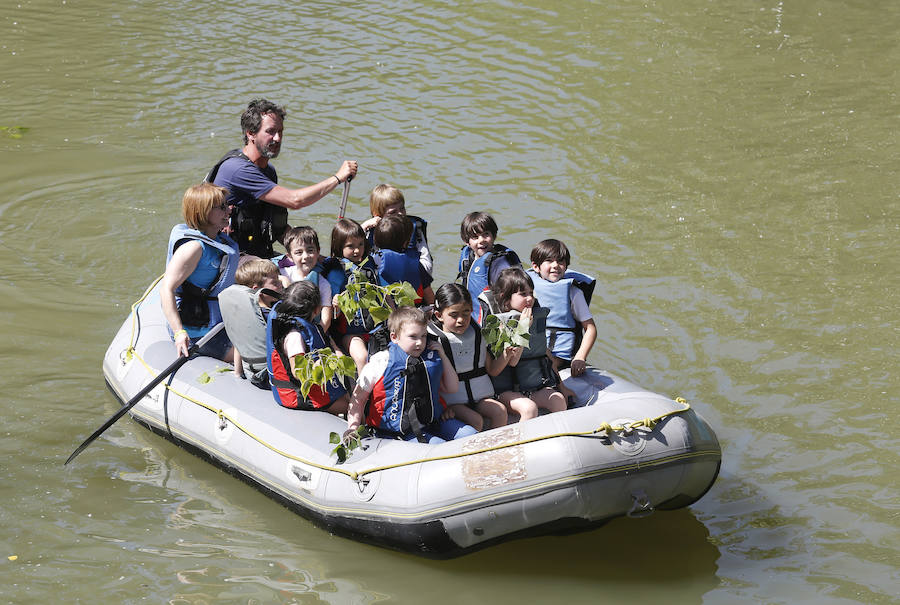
column 604, row 430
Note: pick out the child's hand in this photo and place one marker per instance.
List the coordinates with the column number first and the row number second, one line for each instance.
column 511, row 352
column 370, row 223
column 526, row 315
column 578, row 367
column 448, row 414
column 434, row 345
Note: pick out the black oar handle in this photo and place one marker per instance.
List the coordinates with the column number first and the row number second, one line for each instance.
column 150, row 386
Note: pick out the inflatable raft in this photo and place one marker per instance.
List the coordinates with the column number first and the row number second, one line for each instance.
column 622, row 451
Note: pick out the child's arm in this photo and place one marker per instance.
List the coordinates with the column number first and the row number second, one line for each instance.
column 238, row 364
column 325, row 299
column 357, row 408
column 449, row 379
column 579, row 361
column 495, row 365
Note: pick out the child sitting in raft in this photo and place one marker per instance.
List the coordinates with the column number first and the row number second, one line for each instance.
column 399, row 263
column 387, row 200
column 528, row 382
column 349, row 247
column 474, row 402
column 245, row 306
column 481, row 260
column 401, row 386
column 291, row 330
column 302, row 246
column 571, row 331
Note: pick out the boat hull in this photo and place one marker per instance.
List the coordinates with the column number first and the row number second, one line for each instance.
column 623, row 451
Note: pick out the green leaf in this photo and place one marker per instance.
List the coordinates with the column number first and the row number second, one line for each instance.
column 334, row 437
column 204, row 378
column 14, row 132
column 379, row 314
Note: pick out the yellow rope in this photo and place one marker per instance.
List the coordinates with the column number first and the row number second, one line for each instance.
column 605, row 427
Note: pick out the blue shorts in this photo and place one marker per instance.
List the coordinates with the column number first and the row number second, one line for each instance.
column 217, row 347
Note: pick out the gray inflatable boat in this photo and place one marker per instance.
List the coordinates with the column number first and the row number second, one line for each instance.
column 622, row 451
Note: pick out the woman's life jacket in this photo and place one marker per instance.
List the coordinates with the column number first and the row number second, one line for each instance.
column 197, row 303
column 255, row 226
column 285, row 386
column 564, row 333
column 405, row 399
column 467, row 353
column 477, row 274
column 338, row 277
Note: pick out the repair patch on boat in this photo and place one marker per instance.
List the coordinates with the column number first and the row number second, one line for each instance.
column 496, row 467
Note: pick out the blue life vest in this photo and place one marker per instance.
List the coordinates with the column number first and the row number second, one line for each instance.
column 339, row 273
column 564, row 334
column 419, row 235
column 476, row 273
column 197, row 303
column 397, row 267
column 467, row 354
column 405, row 399
column 285, row 386
column 534, row 370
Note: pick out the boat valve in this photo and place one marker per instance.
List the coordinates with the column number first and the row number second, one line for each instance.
column 640, row 505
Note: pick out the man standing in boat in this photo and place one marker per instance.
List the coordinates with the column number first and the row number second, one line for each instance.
column 260, row 204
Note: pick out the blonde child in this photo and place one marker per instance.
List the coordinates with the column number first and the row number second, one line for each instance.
column 401, row 386
column 387, row 200
column 245, row 306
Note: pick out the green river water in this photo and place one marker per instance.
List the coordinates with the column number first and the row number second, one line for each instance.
column 728, row 170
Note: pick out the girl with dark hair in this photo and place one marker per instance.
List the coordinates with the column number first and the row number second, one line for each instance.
column 350, row 248
column 291, row 331
column 528, row 382
column 474, row 402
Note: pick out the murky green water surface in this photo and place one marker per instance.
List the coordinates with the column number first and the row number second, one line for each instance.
column 728, row 170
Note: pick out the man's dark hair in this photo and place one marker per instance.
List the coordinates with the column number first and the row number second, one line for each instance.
column 251, row 119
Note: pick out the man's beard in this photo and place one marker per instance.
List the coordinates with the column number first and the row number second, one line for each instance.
column 268, row 153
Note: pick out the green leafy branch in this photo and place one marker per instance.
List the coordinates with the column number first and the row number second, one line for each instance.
column 361, row 294
column 320, row 367
column 344, row 447
column 499, row 334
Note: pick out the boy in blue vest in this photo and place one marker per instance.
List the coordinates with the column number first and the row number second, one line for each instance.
column 386, row 200
column 397, row 390
column 482, row 259
column 571, row 331
column 396, row 261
